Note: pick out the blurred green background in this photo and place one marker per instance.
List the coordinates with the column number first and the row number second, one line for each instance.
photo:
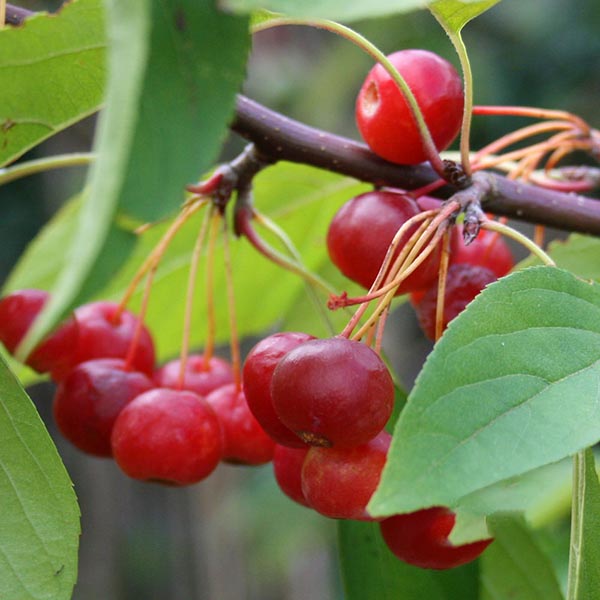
column 235, row 536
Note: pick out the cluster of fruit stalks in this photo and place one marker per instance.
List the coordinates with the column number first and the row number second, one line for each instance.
column 317, row 408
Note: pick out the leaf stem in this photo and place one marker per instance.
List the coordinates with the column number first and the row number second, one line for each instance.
column 575, row 551
column 40, row 165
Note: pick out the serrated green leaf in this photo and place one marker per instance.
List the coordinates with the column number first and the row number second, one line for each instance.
column 52, row 70
column 514, row 566
column 455, row 14
column 39, row 529
column 338, row 10
column 584, row 562
column 371, row 572
column 511, row 386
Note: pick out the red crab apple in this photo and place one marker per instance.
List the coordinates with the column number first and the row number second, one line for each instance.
column 361, row 232
column 89, row 399
column 383, row 115
column 168, row 436
column 339, row 482
column 421, row 539
column 257, row 374
column 333, row 392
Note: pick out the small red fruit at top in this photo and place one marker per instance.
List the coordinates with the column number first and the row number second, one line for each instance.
column 17, row 313
column 244, row 440
column 339, row 482
column 421, row 539
column 201, row 376
column 89, row 399
column 363, row 228
column 167, row 436
column 383, row 115
column 463, row 283
column 106, row 332
column 257, row 374
column 333, row 392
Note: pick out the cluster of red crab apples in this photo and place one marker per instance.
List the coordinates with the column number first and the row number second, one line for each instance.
column 317, row 408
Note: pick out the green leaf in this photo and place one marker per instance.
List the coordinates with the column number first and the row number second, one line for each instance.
column 455, row 14
column 584, row 561
column 195, row 66
column 511, row 386
column 177, row 61
column 39, row 529
column 52, row 71
column 514, row 566
column 371, row 572
column 338, row 10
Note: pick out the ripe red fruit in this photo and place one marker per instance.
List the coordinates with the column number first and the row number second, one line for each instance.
column 244, row 440
column 287, row 467
column 333, row 392
column 257, row 374
column 361, row 231
column 464, row 282
column 89, row 399
column 487, row 250
column 168, row 436
column 384, row 119
column 104, row 335
column 339, row 482
column 17, row 313
column 201, row 376
column 421, row 539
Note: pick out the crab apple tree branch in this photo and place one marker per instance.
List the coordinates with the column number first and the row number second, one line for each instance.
column 278, row 137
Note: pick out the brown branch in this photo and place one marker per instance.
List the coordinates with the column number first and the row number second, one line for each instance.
column 280, row 138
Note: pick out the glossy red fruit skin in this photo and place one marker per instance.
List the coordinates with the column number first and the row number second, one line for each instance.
column 17, row 313
column 421, row 539
column 383, row 116
column 333, row 392
column 90, row 398
column 200, row 377
column 167, row 436
column 244, row 440
column 487, row 250
column 287, row 468
column 363, row 228
column 339, row 482
column 257, row 374
column 464, row 282
column 102, row 337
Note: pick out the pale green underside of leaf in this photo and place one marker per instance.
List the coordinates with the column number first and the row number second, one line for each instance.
column 353, row 10
column 584, row 563
column 371, row 572
column 52, row 71
column 39, row 528
column 267, row 296
column 579, row 254
column 514, row 566
column 513, row 385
